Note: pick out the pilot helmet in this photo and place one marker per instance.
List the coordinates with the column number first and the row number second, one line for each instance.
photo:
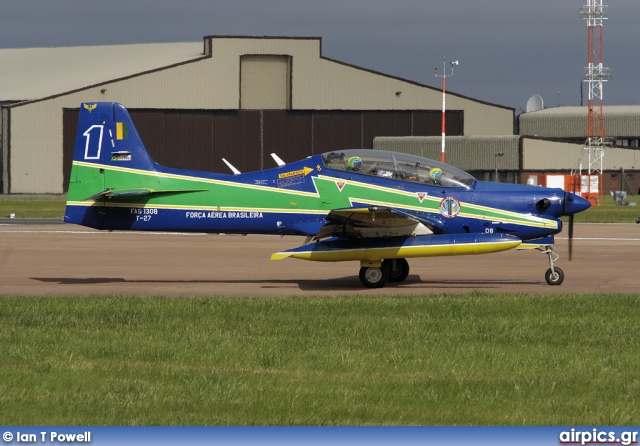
column 354, row 163
column 435, row 174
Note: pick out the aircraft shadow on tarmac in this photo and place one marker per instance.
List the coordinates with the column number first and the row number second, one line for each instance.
column 348, row 283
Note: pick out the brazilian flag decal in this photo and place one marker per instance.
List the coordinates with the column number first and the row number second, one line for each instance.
column 122, row 130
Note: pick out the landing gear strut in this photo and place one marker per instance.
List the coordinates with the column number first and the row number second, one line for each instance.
column 554, row 275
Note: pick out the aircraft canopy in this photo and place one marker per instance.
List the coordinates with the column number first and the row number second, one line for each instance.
column 399, row 166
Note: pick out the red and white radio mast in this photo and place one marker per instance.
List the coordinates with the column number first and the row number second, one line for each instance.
column 594, row 75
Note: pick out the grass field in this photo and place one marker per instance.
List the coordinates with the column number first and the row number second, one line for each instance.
column 610, row 212
column 53, row 207
column 40, row 206
column 474, row 359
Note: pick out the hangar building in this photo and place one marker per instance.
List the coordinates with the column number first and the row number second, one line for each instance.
column 243, row 98
column 240, row 98
column 549, row 142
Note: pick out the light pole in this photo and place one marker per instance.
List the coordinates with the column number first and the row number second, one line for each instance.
column 444, row 102
column 496, row 158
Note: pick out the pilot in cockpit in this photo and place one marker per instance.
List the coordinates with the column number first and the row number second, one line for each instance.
column 354, row 163
column 435, row 175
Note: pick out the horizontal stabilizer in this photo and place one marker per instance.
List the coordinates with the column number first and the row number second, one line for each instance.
column 141, row 192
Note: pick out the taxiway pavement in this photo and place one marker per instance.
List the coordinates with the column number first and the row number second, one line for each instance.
column 68, row 260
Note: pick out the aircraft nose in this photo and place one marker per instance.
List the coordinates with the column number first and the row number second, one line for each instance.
column 574, row 204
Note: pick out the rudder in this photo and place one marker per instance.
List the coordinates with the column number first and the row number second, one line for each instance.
column 106, row 134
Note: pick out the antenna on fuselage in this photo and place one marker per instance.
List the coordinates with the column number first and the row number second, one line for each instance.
column 230, row 166
column 277, row 159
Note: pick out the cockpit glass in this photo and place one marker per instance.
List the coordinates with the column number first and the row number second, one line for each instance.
column 399, row 166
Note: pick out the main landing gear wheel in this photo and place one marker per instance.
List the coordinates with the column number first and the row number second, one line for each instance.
column 398, row 269
column 554, row 276
column 373, row 277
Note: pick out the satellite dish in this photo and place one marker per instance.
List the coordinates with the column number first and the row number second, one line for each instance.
column 534, row 103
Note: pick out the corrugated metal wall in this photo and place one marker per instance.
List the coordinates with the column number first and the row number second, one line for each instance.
column 520, row 153
column 571, row 122
column 199, row 139
column 319, row 83
column 553, row 124
column 4, row 144
column 538, row 154
column 287, row 133
column 34, row 156
column 70, row 125
column 265, row 82
column 336, row 130
column 465, row 152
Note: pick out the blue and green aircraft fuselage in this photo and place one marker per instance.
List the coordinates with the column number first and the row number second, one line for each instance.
column 373, row 206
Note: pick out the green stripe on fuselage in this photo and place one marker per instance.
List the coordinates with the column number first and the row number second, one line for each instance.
column 220, row 194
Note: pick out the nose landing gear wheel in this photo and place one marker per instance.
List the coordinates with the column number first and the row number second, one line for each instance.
column 555, row 276
column 373, row 277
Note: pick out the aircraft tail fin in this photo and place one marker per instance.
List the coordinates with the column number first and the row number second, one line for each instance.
column 109, row 156
column 106, row 135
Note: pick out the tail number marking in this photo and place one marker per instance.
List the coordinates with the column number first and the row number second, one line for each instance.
column 93, row 142
column 144, row 214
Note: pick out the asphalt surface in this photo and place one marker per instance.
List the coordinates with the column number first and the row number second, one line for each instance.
column 61, row 259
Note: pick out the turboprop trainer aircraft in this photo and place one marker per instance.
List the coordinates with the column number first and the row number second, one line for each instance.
column 375, row 207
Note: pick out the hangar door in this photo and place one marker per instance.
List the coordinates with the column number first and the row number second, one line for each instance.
column 199, row 139
column 265, row 82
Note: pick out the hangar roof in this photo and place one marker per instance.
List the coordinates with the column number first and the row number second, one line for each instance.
column 33, row 73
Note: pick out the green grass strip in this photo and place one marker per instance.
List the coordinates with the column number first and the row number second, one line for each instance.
column 610, row 212
column 474, row 359
column 33, row 207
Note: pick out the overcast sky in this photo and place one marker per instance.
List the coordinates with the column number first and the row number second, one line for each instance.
column 508, row 50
